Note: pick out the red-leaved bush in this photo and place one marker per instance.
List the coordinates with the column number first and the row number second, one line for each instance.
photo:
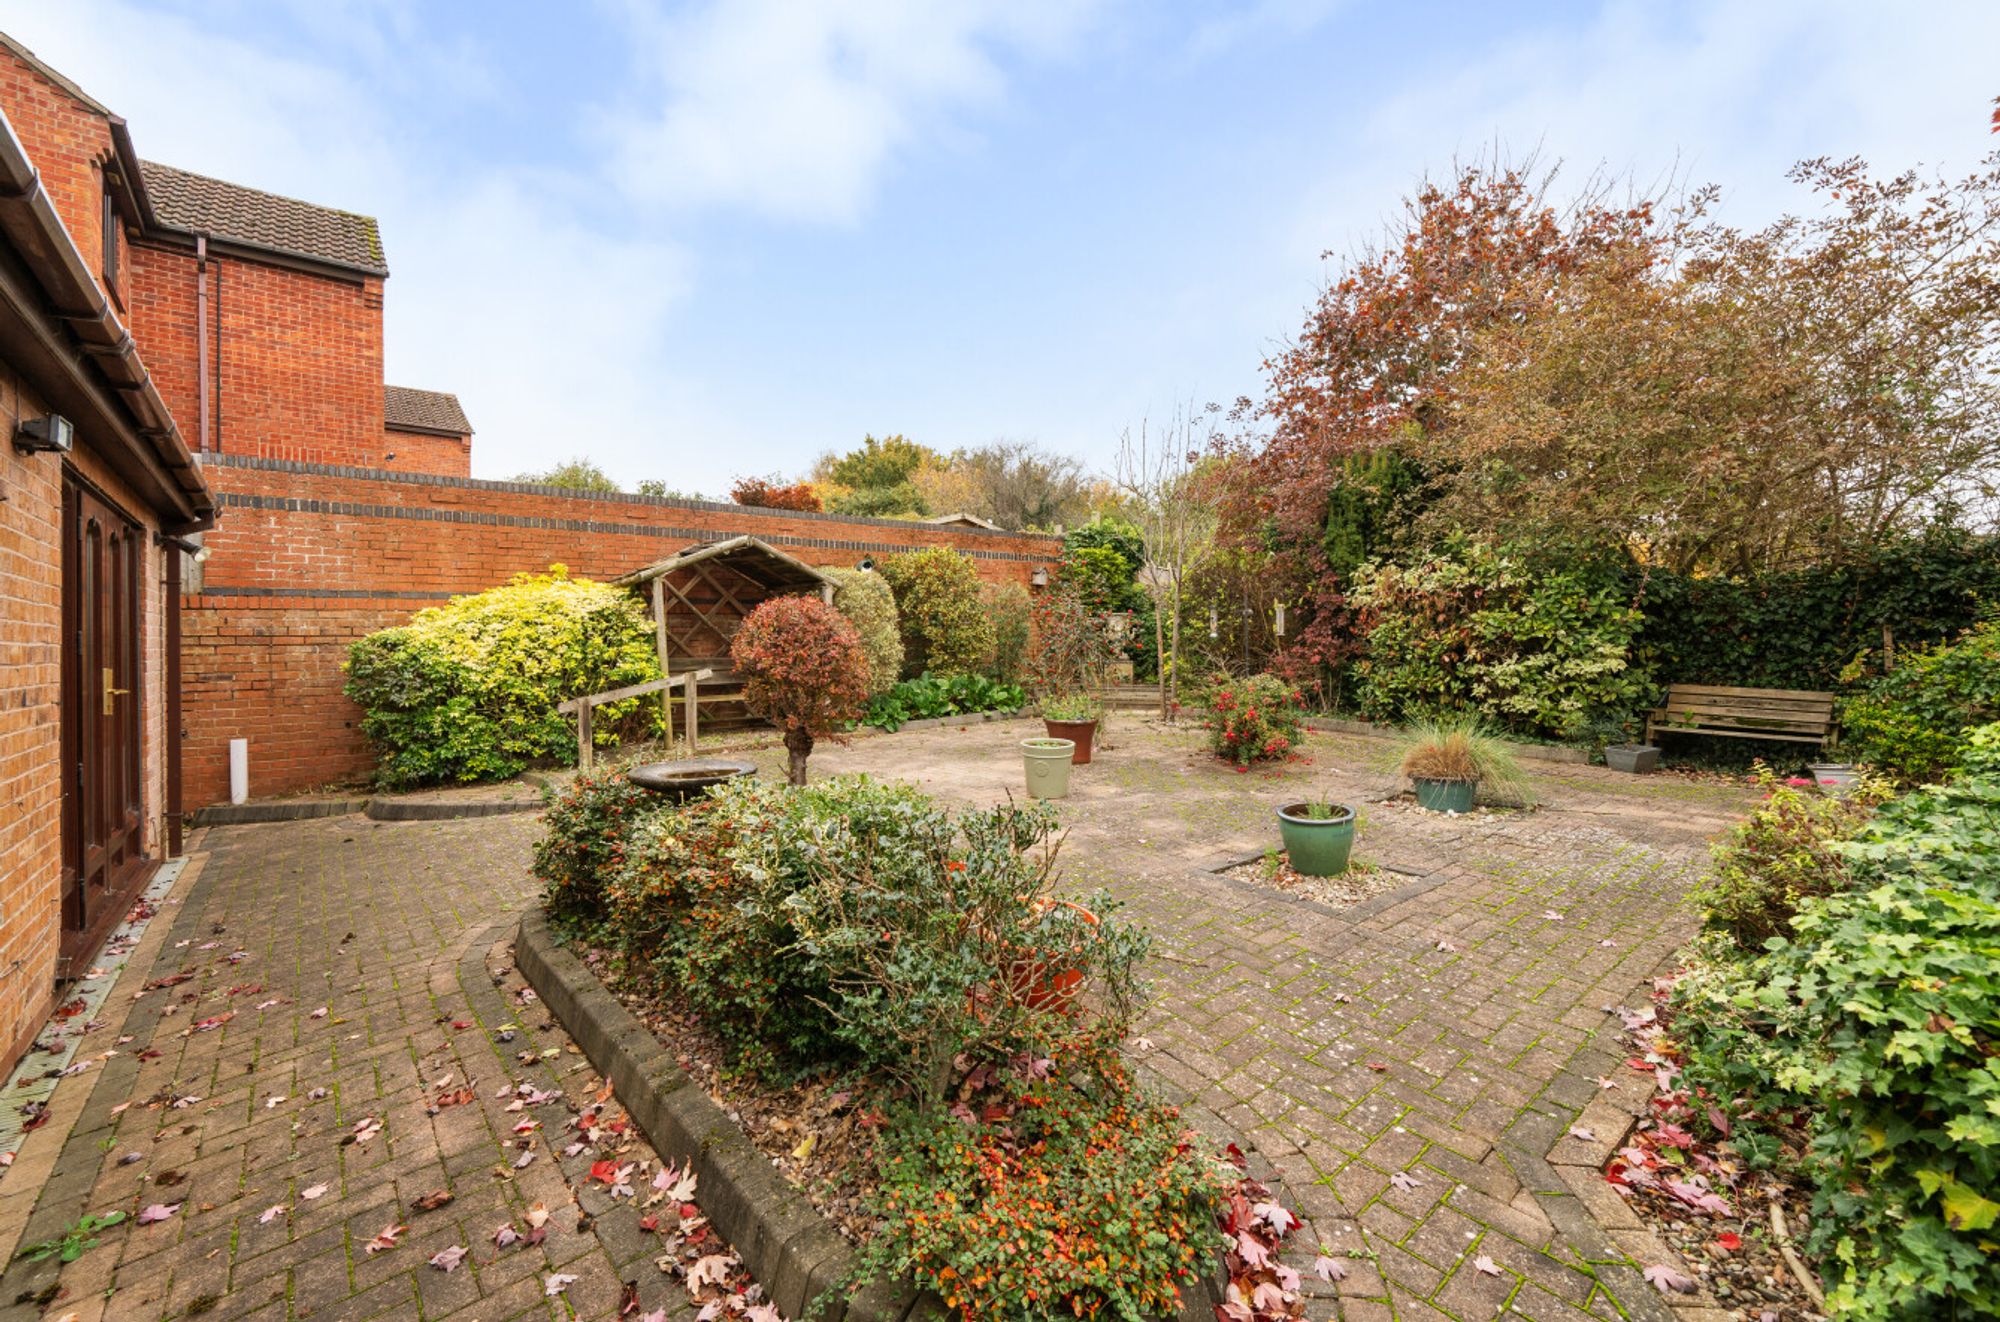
column 766, row 493
column 804, row 669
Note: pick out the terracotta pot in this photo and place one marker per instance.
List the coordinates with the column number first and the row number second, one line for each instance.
column 1078, row 732
column 1034, row 983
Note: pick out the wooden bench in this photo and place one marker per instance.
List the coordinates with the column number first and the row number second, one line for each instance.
column 1794, row 716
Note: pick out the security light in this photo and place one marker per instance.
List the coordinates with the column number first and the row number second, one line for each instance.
column 53, row 433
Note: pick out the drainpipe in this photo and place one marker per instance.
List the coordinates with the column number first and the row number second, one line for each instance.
column 171, row 549
column 201, row 342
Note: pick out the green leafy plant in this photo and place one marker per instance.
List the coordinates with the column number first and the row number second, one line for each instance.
column 1874, row 1025
column 1785, row 853
column 1471, row 628
column 1072, row 707
column 1045, row 1200
column 863, row 596
column 929, row 696
column 1008, row 608
column 74, row 1242
column 1254, row 719
column 468, row 690
column 1461, row 747
column 1912, row 722
column 803, row 669
column 587, row 830
column 937, row 602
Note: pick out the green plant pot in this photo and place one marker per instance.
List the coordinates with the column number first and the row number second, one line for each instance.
column 1446, row 795
column 1048, row 763
column 1317, row 847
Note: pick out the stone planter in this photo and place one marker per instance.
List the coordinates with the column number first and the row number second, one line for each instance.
column 1048, row 763
column 1445, row 795
column 1079, row 733
column 1636, row 759
column 1317, row 846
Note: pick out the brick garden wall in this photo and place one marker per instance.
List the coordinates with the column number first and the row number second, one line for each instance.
column 308, row 557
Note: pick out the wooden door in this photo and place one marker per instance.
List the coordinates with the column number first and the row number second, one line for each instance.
column 103, row 555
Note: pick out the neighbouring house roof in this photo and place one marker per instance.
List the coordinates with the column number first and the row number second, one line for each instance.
column 751, row 557
column 433, row 412
column 196, row 204
column 965, row 520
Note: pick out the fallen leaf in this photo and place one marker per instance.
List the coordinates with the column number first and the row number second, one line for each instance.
column 158, row 1212
column 385, row 1239
column 1668, row 1281
column 1579, row 1132
column 710, row 1270
column 506, row 1235
column 271, row 1213
column 312, row 1192
column 1730, row 1240
column 447, row 1260
column 1485, row 1265
column 1329, row 1268
column 556, row 1284
column 1404, row 1180
column 432, row 1201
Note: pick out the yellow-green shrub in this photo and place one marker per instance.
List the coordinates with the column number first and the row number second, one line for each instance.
column 864, row 598
column 468, row 690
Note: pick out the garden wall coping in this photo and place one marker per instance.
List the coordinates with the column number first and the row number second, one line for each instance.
column 795, row 1253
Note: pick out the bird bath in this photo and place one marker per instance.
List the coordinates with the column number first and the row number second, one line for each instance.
column 688, row 778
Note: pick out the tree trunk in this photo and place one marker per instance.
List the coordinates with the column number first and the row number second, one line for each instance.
column 799, row 743
column 1160, row 656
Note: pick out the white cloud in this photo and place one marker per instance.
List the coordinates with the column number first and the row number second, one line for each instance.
column 794, row 108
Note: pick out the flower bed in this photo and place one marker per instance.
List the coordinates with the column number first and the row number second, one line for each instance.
column 1837, row 1030
column 889, row 998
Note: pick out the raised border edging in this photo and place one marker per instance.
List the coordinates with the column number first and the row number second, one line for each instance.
column 793, row 1251
column 442, row 810
column 377, row 808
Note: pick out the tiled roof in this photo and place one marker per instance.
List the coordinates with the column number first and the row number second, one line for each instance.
column 405, row 409
column 201, row 205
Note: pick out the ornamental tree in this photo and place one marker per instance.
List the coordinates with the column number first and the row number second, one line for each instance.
column 804, row 669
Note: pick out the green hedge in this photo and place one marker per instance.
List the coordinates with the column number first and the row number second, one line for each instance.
column 1912, row 722
column 468, row 690
column 1800, row 630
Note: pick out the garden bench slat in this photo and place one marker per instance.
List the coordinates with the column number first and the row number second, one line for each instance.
column 1798, row 716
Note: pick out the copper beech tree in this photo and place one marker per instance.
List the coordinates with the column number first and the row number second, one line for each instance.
column 804, row 669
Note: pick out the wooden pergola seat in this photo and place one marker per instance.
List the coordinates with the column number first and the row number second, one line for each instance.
column 699, row 598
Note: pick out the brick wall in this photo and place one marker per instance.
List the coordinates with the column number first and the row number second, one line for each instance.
column 307, row 558
column 67, row 141
column 420, row 452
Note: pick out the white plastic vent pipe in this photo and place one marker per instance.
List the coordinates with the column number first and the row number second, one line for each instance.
column 239, row 770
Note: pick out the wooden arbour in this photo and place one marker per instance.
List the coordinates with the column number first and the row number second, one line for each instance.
column 699, row 598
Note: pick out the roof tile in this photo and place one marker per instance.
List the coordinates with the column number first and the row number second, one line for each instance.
column 408, row 409
column 197, row 204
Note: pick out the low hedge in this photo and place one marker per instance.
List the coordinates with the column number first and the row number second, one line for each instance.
column 1912, row 722
column 857, row 930
column 1875, row 1024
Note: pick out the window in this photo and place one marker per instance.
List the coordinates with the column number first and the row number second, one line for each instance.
column 114, row 233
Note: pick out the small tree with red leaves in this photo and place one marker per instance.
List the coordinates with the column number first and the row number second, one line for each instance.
column 804, row 669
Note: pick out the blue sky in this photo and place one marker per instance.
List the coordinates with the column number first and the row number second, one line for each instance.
column 696, row 241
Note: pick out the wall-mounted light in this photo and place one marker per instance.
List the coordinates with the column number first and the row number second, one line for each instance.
column 866, row 564
column 1040, row 578
column 53, row 433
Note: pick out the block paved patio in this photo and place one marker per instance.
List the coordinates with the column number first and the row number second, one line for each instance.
column 1448, row 1033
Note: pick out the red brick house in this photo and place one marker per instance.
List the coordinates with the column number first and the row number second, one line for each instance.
column 97, row 489
column 342, row 504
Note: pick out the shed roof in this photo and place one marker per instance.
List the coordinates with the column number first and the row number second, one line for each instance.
column 751, row 557
column 961, row 519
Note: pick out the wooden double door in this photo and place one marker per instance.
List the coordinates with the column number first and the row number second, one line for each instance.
column 103, row 802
